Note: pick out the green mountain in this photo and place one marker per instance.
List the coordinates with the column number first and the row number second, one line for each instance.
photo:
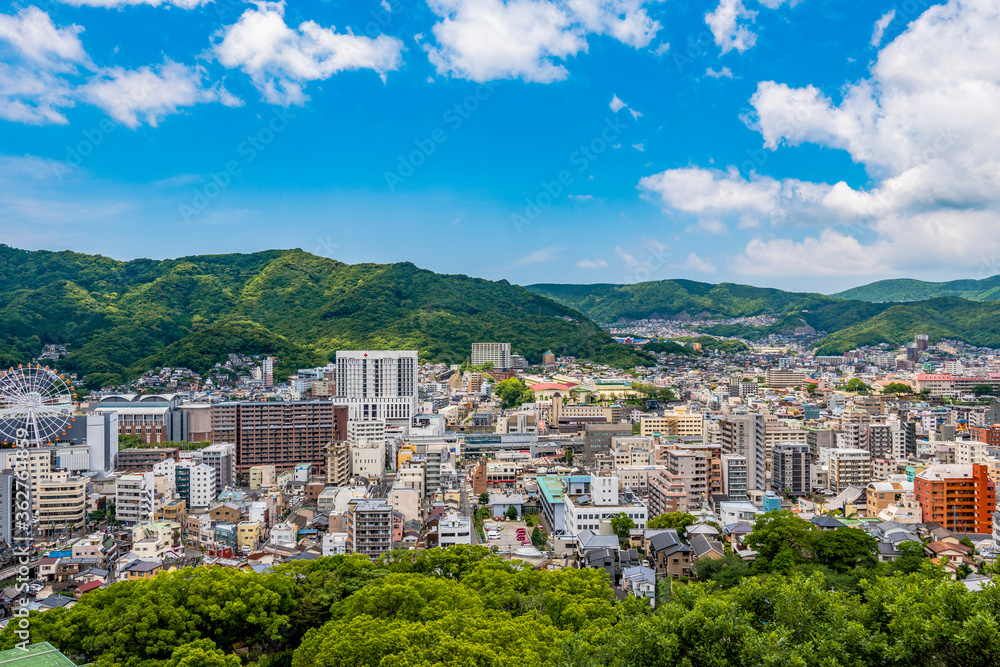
column 121, row 318
column 905, row 289
column 682, row 299
column 975, row 322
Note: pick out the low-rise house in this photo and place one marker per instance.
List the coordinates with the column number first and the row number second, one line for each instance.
column 640, row 581
column 668, row 555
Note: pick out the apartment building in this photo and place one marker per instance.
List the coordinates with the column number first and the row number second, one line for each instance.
column 139, row 460
column 338, row 463
column 849, row 467
column 281, row 434
column 666, row 494
column 496, row 354
column 691, row 467
column 369, row 527
column 745, row 435
column 790, row 468
column 61, row 502
column 195, row 483
column 591, row 503
column 134, row 498
column 960, row 498
column 220, row 457
column 780, row 378
column 735, row 476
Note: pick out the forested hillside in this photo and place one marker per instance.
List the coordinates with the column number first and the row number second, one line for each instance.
column 121, row 318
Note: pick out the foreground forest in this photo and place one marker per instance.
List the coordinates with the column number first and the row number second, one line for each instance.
column 462, row 606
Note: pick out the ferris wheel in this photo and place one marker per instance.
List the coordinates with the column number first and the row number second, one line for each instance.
column 36, row 405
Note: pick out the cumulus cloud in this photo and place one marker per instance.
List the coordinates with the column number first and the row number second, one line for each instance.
column 923, row 126
column 723, row 73
column 617, row 104
column 148, row 94
column 484, row 40
column 591, row 264
column 280, row 59
column 35, row 82
column 728, row 24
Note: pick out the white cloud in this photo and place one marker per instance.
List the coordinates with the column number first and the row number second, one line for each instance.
column 696, row 263
column 639, row 147
column 539, row 256
column 280, row 60
column 183, row 4
column 696, row 190
column 625, row 20
column 591, row 264
column 148, row 94
column 775, row 4
column 35, row 83
column 581, row 197
column 923, row 125
column 712, row 226
column 724, row 73
column 33, row 34
column 728, row 26
column 880, row 27
column 617, row 104
column 484, row 40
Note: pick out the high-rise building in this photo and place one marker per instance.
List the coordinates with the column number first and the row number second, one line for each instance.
column 887, row 441
column 378, row 385
column 790, row 468
column 281, row 434
column 691, row 467
column 921, row 341
column 267, row 371
column 497, row 354
column 745, row 435
column 368, row 524
column 338, row 463
column 960, row 498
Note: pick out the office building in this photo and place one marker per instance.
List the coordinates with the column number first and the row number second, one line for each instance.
column 790, row 468
column 960, row 498
column 496, row 354
column 597, row 440
column 281, row 434
column 378, row 385
column 154, row 418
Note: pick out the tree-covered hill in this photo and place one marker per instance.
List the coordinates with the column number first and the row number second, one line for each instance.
column 120, row 318
column 665, row 299
column 906, row 289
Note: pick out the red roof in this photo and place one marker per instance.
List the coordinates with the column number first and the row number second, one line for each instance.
column 89, row 586
column 551, row 385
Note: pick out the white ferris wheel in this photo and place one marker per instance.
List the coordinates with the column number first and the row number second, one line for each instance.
column 36, row 405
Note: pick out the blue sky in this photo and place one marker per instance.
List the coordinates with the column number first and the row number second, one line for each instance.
column 804, row 144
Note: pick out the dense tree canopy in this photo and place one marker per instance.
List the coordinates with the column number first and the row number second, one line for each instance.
column 463, row 606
